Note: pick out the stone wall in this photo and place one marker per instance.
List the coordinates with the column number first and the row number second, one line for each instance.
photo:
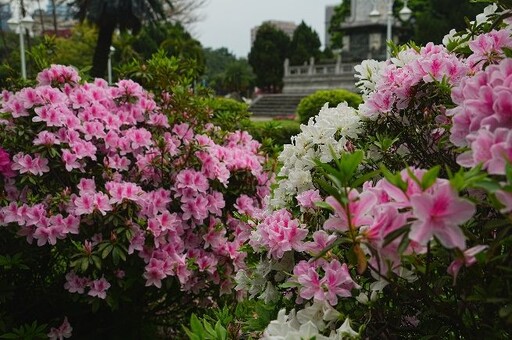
column 309, row 78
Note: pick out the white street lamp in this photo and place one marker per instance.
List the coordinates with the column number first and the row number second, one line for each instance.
column 109, row 64
column 404, row 14
column 19, row 25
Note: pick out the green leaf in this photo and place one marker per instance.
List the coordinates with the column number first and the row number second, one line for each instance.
column 106, row 250
column 324, row 185
column 196, row 326
column 289, row 284
column 209, row 329
column 84, row 264
column 349, row 163
column 430, row 177
column 221, row 331
column 404, row 243
column 487, row 184
column 324, row 205
column 96, row 260
column 413, row 176
column 395, row 234
column 364, row 178
column 395, row 179
column 191, row 335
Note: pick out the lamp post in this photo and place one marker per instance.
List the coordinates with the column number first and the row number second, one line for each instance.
column 109, row 64
column 19, row 25
column 404, row 14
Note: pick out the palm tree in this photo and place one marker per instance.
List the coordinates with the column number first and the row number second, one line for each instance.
column 111, row 14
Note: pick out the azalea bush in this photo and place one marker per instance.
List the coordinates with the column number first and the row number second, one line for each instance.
column 393, row 220
column 116, row 207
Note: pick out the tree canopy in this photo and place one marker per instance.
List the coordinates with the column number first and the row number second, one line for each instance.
column 111, row 14
column 432, row 19
column 267, row 56
column 225, row 73
column 304, row 45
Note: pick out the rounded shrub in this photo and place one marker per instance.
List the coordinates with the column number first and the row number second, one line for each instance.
column 228, row 113
column 310, row 105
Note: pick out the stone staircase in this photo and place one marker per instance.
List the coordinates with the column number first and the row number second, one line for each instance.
column 275, row 105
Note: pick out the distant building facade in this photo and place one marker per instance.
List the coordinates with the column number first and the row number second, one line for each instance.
column 287, row 27
column 364, row 38
column 329, row 12
column 59, row 25
column 5, row 14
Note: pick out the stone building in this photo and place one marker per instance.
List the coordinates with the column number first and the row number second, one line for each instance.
column 363, row 37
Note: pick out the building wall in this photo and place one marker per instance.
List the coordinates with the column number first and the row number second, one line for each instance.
column 329, row 12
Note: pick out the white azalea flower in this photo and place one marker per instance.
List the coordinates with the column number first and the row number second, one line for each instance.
column 368, row 73
column 485, row 16
column 270, row 294
column 346, row 332
column 319, row 313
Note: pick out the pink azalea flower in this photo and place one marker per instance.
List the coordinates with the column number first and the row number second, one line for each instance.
column 154, row 273
column 196, row 208
column 46, row 138
column 279, row 233
column 505, row 198
column 46, row 233
column 183, row 131
column 5, row 164
column 337, row 282
column 25, row 163
column 120, row 191
column 244, row 205
column 192, row 179
column 308, row 198
column 74, row 283
column 86, row 186
column 70, row 160
column 99, row 288
column 321, row 240
column 467, row 260
column 63, row 331
column 439, row 213
column 359, row 206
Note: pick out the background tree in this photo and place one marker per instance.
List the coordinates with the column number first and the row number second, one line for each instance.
column 216, row 62
column 172, row 38
column 341, row 12
column 432, row 19
column 123, row 14
column 238, row 77
column 304, row 45
column 267, row 56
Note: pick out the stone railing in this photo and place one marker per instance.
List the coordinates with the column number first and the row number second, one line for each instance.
column 310, row 77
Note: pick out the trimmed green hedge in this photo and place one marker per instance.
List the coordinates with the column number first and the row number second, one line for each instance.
column 229, row 114
column 311, row 105
column 280, row 131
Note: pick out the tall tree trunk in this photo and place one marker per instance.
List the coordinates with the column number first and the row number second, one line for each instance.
column 100, row 59
column 54, row 14
column 41, row 16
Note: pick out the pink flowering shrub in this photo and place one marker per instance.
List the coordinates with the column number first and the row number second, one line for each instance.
column 117, row 192
column 401, row 229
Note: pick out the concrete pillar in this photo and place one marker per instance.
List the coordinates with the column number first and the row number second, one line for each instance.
column 311, row 65
column 337, row 68
column 287, row 67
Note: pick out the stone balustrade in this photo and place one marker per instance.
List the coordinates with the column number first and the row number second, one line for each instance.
column 308, row 78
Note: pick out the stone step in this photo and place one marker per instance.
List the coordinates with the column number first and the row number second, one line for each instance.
column 271, row 105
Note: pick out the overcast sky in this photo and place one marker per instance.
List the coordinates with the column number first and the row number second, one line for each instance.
column 228, row 23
